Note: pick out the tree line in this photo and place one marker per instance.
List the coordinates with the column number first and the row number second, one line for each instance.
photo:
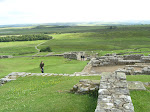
column 25, row 38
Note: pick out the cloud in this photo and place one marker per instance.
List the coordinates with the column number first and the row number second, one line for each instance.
column 24, row 11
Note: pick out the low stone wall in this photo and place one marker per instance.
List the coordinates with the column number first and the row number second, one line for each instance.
column 15, row 75
column 145, row 59
column 119, row 60
column 132, row 57
column 6, row 56
column 70, row 56
column 87, row 86
column 113, row 94
column 132, row 71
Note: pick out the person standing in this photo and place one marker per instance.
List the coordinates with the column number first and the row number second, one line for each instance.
column 42, row 66
column 81, row 57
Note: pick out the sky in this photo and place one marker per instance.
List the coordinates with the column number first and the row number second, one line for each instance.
column 52, row 11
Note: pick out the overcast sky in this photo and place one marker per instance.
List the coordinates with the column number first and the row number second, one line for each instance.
column 50, row 11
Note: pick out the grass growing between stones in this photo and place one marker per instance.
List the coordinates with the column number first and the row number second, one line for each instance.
column 29, row 64
column 47, row 94
column 140, row 99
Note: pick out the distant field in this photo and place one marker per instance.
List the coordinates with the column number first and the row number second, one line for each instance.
column 102, row 39
column 49, row 30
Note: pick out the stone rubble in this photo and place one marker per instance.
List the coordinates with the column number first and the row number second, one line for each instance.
column 113, row 94
column 86, row 86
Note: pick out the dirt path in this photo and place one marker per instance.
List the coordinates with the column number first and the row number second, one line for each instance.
column 36, row 47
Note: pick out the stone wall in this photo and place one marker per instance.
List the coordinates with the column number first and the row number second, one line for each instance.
column 132, row 71
column 132, row 57
column 77, row 55
column 6, row 56
column 15, row 75
column 119, row 60
column 70, row 56
column 113, row 94
column 87, row 86
column 145, row 59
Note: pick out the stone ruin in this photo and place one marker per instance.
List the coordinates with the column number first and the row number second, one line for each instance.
column 119, row 60
column 132, row 71
column 113, row 94
column 77, row 55
column 86, row 86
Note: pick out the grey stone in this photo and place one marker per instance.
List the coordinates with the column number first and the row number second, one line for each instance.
column 146, row 83
column 128, row 106
column 106, row 105
column 136, row 85
column 103, row 92
column 83, row 90
column 118, row 102
column 116, row 110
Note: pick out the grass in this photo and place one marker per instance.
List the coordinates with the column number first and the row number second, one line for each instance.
column 29, row 64
column 47, row 94
column 140, row 99
column 49, row 30
column 108, row 40
column 19, row 48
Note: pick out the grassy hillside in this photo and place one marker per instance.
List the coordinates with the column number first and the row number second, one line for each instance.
column 108, row 40
column 19, row 48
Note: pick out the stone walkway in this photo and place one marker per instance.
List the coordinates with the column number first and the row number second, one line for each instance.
column 113, row 94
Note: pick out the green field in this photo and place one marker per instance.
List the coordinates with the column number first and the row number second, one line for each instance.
column 19, row 48
column 123, row 39
column 29, row 64
column 47, row 94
